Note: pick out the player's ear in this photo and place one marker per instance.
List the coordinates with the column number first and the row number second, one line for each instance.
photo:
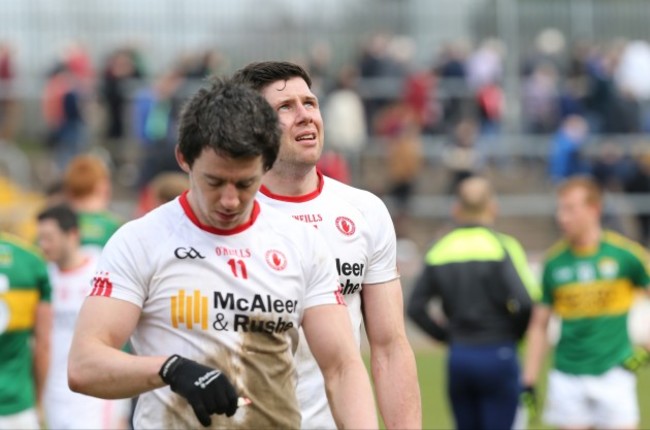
column 180, row 159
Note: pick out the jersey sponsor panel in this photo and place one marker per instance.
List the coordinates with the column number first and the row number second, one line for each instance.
column 192, row 310
column 598, row 298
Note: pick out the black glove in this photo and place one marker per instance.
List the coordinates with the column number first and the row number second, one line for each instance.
column 529, row 400
column 208, row 390
column 640, row 356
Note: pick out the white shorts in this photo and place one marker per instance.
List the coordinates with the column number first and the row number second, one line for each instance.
column 606, row 401
column 85, row 412
column 25, row 420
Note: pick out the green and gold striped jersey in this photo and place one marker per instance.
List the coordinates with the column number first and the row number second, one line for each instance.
column 23, row 284
column 592, row 291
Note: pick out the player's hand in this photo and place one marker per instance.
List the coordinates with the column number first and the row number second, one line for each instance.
column 529, row 400
column 208, row 390
column 639, row 357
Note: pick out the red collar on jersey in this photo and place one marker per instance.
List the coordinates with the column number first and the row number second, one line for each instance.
column 195, row 220
column 296, row 199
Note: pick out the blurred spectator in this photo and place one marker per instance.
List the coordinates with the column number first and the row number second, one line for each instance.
column 88, row 189
column 344, row 114
column 399, row 126
column 163, row 188
column 639, row 183
column 540, row 99
column 611, row 110
column 155, row 111
column 203, row 64
column 490, row 102
column 549, row 48
column 461, row 156
column 420, row 93
column 334, row 165
column 63, row 110
column 485, row 65
column 566, row 157
column 450, row 67
column 633, row 69
column 77, row 59
column 571, row 98
column 318, row 64
column 18, row 209
column 119, row 71
column 612, row 168
column 573, row 91
column 8, row 99
column 54, row 193
column 375, row 64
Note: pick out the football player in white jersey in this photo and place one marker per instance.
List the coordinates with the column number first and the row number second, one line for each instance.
column 212, row 287
column 359, row 230
column 70, row 269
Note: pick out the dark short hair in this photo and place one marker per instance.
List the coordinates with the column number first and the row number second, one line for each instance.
column 260, row 74
column 65, row 217
column 232, row 119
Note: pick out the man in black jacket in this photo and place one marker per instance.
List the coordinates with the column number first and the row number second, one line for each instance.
column 485, row 286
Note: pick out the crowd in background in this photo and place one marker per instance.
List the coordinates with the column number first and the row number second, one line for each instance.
column 570, row 96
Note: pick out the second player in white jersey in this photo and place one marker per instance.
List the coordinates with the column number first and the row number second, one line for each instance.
column 65, row 409
column 227, row 314
column 355, row 224
column 211, row 290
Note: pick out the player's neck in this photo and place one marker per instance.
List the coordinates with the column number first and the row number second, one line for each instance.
column 291, row 182
column 590, row 239
column 90, row 204
column 72, row 261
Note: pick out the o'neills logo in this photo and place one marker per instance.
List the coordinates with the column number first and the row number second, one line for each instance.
column 276, row 259
column 232, row 252
column 345, row 225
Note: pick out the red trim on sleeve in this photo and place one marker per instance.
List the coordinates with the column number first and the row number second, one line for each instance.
column 102, row 285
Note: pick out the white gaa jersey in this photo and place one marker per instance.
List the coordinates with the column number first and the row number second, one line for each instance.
column 65, row 409
column 229, row 299
column 359, row 230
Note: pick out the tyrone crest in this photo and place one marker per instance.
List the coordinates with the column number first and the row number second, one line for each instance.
column 276, row 259
column 345, row 225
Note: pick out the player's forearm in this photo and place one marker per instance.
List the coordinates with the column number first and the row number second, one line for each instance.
column 350, row 396
column 41, row 365
column 42, row 341
column 536, row 348
column 102, row 371
column 396, row 383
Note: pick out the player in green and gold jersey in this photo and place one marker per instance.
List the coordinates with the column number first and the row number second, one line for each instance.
column 25, row 312
column 590, row 279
